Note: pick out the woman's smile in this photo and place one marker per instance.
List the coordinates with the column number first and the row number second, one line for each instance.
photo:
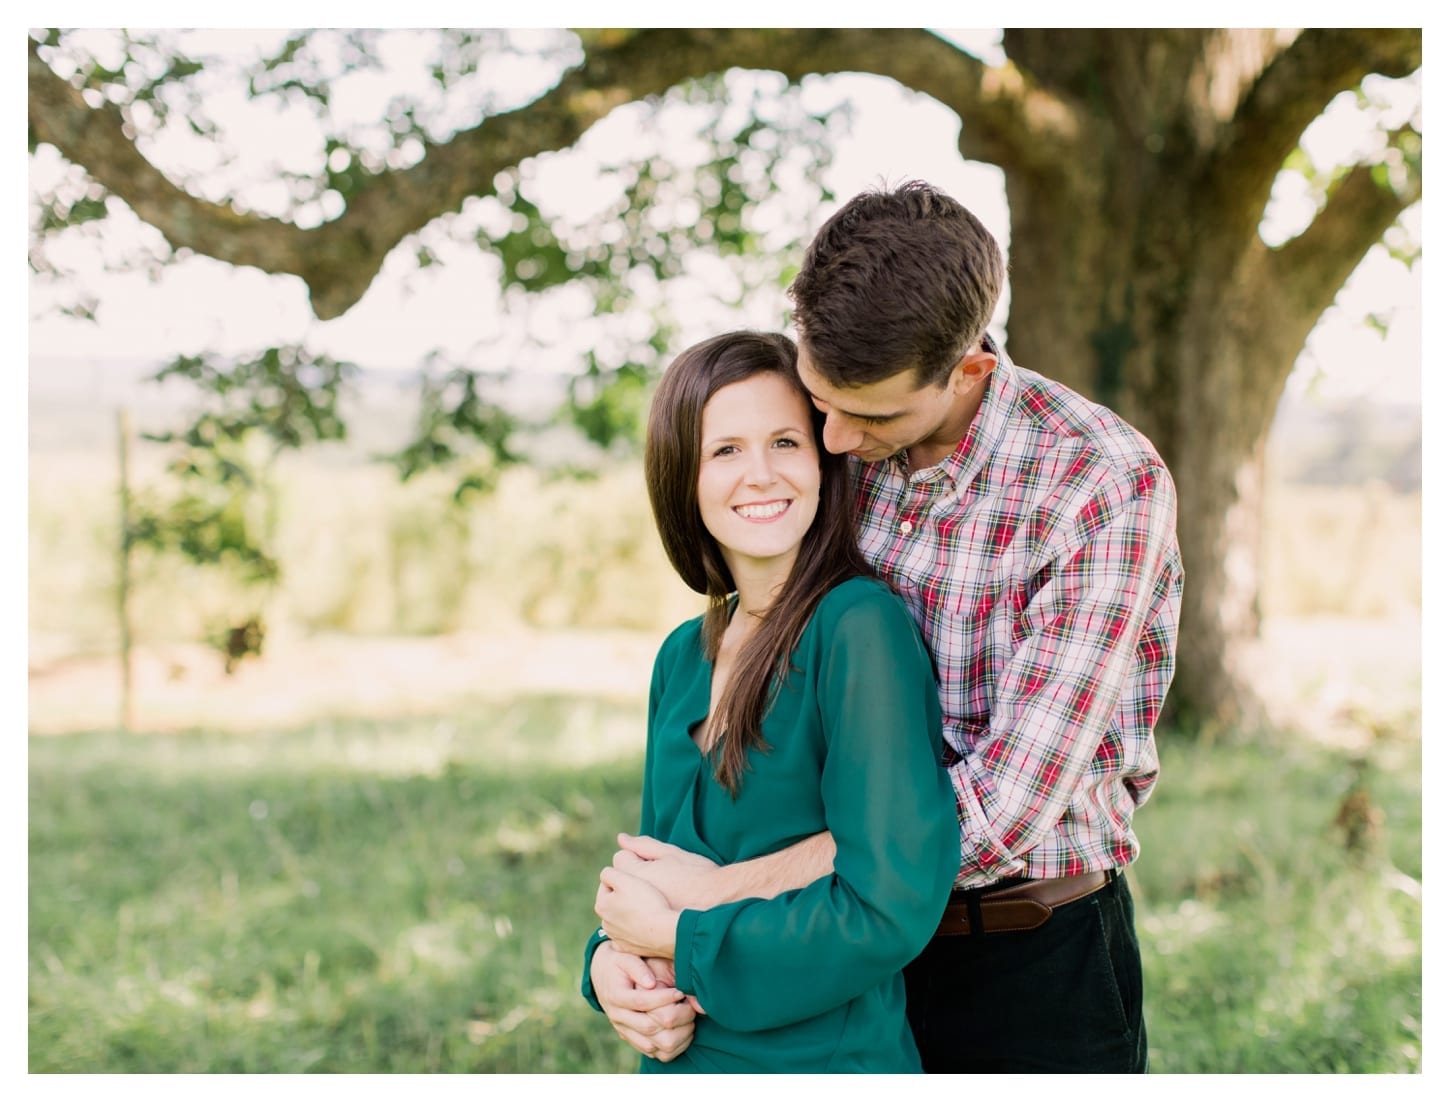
column 763, row 511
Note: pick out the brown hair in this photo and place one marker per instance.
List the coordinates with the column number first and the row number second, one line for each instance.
column 828, row 553
column 897, row 279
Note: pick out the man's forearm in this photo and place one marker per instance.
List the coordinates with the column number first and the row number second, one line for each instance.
column 766, row 877
column 689, row 881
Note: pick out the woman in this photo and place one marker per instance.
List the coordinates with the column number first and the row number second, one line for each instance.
column 804, row 702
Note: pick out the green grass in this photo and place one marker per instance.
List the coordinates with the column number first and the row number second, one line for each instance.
column 414, row 896
column 383, row 898
column 1268, row 945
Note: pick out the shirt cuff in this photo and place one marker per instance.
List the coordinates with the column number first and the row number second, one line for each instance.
column 586, row 985
column 684, row 951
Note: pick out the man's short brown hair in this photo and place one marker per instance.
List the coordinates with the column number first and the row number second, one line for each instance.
column 905, row 278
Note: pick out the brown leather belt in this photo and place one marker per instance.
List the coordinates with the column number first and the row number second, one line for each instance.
column 1023, row 906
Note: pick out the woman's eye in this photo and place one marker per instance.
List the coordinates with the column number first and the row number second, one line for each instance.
column 786, row 442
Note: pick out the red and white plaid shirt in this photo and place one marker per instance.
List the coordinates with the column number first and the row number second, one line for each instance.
column 1041, row 562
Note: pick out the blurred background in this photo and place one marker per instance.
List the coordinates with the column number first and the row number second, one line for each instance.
column 343, row 589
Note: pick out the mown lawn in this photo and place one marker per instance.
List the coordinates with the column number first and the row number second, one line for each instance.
column 413, row 896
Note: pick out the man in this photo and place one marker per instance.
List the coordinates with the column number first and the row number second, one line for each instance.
column 1032, row 533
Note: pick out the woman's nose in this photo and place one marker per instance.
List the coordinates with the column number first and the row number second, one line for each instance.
column 761, row 471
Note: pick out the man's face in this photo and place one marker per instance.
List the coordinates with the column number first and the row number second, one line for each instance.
column 874, row 421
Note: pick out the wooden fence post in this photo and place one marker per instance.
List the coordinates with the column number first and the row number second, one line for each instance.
column 123, row 588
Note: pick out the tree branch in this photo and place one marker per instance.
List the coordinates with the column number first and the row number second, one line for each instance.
column 1280, row 294
column 1309, row 270
column 95, row 139
column 339, row 259
column 1001, row 111
column 1007, row 117
column 1292, row 92
column 999, row 108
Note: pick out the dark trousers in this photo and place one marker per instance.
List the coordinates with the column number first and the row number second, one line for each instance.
column 1065, row 997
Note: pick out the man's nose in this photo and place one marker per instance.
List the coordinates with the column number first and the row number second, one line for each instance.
column 839, row 437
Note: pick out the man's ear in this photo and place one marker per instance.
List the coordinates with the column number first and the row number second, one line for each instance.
column 972, row 369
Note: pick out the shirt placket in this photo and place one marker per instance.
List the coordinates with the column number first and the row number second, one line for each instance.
column 912, row 502
column 924, row 492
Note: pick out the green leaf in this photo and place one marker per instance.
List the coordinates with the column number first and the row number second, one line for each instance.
column 1380, row 323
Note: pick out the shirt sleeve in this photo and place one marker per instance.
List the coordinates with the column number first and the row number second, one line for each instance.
column 758, row 964
column 1107, row 612
column 646, row 813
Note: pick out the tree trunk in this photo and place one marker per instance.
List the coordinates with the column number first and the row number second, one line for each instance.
column 1130, row 287
column 1092, row 307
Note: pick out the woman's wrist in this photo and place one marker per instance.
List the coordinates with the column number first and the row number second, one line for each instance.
column 656, row 936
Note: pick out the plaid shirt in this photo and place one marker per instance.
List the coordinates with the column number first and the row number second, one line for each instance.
column 1041, row 562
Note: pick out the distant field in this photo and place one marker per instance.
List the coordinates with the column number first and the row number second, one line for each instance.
column 361, row 553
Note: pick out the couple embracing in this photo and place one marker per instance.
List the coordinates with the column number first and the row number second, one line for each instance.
column 890, row 773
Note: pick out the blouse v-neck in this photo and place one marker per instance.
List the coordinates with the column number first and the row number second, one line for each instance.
column 711, row 703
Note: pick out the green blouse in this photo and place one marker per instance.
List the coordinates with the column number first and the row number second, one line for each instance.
column 809, row 981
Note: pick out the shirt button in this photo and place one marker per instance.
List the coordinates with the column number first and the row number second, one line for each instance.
column 905, row 528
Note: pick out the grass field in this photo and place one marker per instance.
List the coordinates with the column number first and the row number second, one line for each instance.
column 364, row 898
column 412, row 896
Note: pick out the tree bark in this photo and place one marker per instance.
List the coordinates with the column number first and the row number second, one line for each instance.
column 1139, row 279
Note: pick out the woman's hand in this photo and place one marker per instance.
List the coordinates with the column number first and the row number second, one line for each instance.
column 635, row 914
column 641, row 1002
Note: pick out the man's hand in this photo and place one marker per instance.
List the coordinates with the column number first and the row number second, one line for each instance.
column 688, row 880
column 692, row 882
column 636, row 914
column 646, row 1011
column 664, row 972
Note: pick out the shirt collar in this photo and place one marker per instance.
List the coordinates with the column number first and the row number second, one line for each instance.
column 986, row 432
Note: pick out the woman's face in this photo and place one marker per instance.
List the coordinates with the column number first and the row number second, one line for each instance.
column 760, row 474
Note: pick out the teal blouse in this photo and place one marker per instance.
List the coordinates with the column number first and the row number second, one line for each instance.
column 809, row 981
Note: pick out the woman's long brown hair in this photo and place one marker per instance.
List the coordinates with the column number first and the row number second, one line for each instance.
column 828, row 554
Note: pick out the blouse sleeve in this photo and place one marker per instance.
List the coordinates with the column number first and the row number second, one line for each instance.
column 646, row 813
column 758, row 964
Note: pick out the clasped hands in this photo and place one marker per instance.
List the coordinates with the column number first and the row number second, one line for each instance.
column 639, row 901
